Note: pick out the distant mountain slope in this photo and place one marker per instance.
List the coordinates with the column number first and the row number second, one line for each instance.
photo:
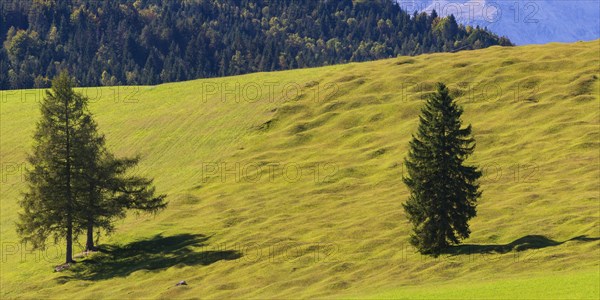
column 523, row 21
column 301, row 171
column 155, row 41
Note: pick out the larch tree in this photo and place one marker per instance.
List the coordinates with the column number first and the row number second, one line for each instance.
column 107, row 189
column 50, row 202
column 111, row 191
column 75, row 184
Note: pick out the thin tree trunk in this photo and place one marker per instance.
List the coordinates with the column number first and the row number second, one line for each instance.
column 89, row 245
column 69, row 258
column 69, row 254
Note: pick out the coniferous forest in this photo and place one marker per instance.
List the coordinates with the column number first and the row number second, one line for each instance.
column 151, row 41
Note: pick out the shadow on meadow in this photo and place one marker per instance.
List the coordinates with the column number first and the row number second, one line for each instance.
column 151, row 254
column 521, row 244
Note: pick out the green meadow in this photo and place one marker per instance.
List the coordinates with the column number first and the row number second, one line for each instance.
column 289, row 184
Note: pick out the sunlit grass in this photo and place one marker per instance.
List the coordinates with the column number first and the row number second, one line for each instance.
column 262, row 230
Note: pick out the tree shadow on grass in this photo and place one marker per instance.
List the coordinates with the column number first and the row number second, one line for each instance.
column 521, row 244
column 151, row 254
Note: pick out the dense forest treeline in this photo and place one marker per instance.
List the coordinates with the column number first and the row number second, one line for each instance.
column 154, row 41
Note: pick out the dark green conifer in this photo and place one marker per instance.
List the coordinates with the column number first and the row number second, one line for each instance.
column 74, row 183
column 111, row 191
column 50, row 203
column 443, row 189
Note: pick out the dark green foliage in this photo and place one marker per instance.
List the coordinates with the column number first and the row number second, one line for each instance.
column 443, row 190
column 106, row 190
column 74, row 183
column 109, row 192
column 151, row 41
column 50, row 204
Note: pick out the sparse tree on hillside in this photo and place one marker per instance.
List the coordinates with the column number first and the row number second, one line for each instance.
column 75, row 184
column 105, row 190
column 110, row 192
column 443, row 189
column 50, row 203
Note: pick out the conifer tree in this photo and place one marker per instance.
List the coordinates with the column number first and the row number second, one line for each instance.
column 50, row 203
column 443, row 189
column 106, row 190
column 75, row 184
column 111, row 191
column 94, row 180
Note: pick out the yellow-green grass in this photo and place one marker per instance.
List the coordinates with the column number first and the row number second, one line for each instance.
column 580, row 285
column 343, row 233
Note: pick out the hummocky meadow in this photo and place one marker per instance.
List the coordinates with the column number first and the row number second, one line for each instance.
column 289, row 184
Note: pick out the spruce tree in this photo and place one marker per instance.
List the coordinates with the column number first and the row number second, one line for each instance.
column 50, row 203
column 443, row 189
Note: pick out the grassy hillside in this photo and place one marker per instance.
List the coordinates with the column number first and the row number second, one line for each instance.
column 262, row 229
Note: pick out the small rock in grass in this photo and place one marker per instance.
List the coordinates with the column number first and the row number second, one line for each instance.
column 181, row 283
column 61, row 268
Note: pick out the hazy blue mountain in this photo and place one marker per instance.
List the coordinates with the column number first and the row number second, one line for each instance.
column 523, row 21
